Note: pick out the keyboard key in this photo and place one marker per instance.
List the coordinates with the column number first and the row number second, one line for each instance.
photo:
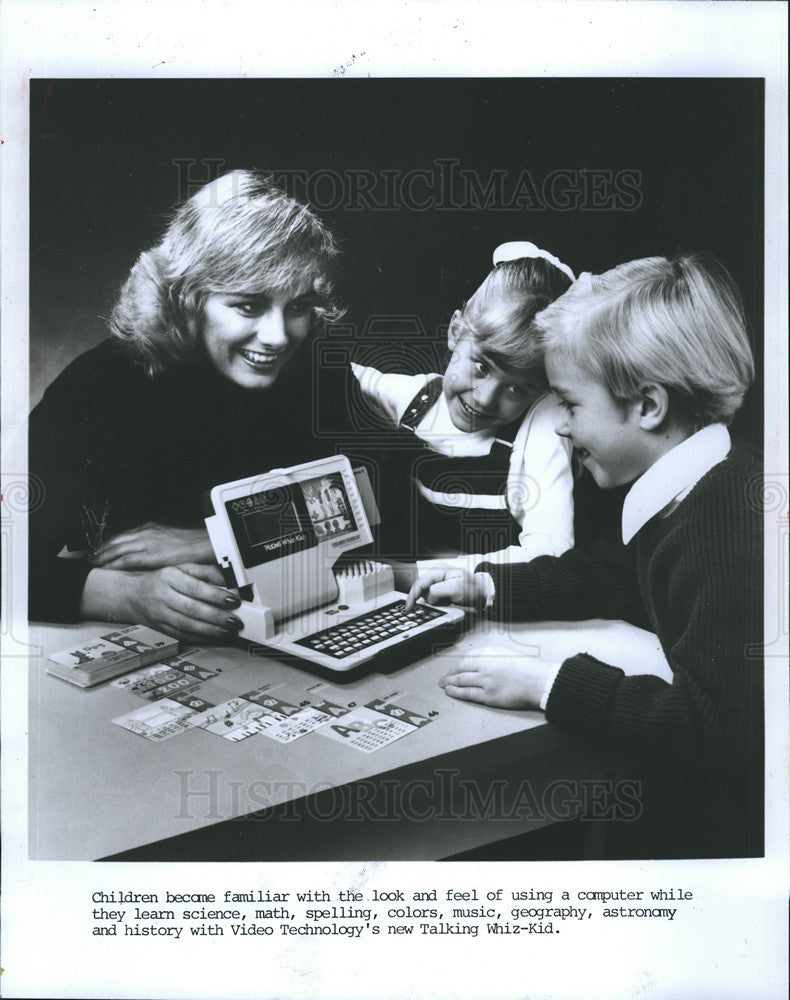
column 368, row 630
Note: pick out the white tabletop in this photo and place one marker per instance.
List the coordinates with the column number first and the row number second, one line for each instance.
column 96, row 789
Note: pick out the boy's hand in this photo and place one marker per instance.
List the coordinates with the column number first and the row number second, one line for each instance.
column 503, row 683
column 451, row 586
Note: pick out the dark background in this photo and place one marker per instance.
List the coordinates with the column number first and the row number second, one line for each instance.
column 104, row 177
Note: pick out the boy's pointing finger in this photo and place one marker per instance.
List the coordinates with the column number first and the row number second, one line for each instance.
column 423, row 586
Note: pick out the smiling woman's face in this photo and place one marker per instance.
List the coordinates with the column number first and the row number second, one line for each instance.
column 249, row 338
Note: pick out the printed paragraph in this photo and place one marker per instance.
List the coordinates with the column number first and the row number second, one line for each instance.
column 470, row 911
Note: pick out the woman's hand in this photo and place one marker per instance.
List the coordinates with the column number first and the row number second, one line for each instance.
column 152, row 546
column 187, row 602
column 451, row 586
column 503, row 683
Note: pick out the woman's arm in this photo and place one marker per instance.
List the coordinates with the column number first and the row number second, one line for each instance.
column 65, row 461
column 82, row 443
column 152, row 546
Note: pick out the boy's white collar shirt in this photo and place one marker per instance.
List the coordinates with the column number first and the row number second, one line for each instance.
column 673, row 477
column 661, row 489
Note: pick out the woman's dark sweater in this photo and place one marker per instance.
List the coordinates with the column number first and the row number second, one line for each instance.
column 114, row 447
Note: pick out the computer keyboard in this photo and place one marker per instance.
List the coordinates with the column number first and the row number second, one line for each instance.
column 364, row 631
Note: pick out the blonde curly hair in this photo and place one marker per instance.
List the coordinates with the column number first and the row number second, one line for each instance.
column 239, row 234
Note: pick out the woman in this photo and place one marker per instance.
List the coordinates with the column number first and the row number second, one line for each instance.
column 202, row 382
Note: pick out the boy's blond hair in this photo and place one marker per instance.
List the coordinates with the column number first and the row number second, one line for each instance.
column 676, row 323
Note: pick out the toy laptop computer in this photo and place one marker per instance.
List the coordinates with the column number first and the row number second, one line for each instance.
column 278, row 537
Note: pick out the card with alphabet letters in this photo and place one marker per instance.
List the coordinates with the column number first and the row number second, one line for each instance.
column 192, row 700
column 147, row 642
column 272, row 702
column 330, row 708
column 167, row 690
column 305, row 720
column 147, row 679
column 159, row 721
column 234, row 719
column 202, row 664
column 398, row 711
column 366, row 730
column 286, row 721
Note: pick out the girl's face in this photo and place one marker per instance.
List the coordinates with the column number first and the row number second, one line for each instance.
column 249, row 338
column 481, row 390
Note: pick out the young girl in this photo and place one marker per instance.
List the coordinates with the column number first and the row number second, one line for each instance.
column 489, row 473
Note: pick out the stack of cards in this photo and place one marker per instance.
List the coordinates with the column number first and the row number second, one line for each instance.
column 176, row 673
column 111, row 654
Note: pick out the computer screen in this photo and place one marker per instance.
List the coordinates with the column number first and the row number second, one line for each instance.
column 274, row 523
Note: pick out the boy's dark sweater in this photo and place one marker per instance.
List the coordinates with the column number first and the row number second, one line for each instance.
column 695, row 578
column 113, row 447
